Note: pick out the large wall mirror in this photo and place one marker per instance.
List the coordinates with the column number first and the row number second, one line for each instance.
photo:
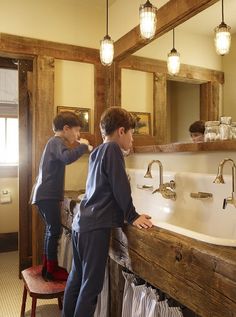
column 204, row 88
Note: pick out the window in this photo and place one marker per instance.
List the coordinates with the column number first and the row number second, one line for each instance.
column 9, row 141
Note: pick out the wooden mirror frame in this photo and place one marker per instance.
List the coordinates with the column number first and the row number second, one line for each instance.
column 169, row 16
column 210, row 82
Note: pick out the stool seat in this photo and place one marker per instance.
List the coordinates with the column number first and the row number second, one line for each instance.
column 37, row 287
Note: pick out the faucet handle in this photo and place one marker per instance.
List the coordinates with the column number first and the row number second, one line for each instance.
column 172, row 184
column 224, row 203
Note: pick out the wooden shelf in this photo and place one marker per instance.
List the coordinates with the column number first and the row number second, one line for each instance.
column 227, row 145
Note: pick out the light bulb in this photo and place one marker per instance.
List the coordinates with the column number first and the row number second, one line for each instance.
column 147, row 20
column 222, row 39
column 106, row 51
column 173, row 62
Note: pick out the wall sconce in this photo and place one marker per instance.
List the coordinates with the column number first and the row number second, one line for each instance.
column 173, row 59
column 147, row 20
column 222, row 36
column 106, row 45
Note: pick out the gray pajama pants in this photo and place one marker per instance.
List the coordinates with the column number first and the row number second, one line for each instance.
column 85, row 281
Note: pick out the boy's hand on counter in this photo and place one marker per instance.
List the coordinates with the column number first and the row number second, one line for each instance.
column 143, row 221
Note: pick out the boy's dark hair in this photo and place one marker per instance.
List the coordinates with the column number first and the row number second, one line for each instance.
column 197, row 126
column 114, row 118
column 66, row 118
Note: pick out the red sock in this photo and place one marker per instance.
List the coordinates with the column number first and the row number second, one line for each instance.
column 54, row 272
column 44, row 267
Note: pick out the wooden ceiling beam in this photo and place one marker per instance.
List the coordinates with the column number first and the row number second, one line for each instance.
column 170, row 15
column 12, row 44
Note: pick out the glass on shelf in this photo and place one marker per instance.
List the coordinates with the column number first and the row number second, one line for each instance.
column 233, row 130
column 211, row 131
column 225, row 128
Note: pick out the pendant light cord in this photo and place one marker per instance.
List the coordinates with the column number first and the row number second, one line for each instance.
column 107, row 18
column 222, row 11
column 173, row 38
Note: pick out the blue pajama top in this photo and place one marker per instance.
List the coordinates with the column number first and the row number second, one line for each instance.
column 50, row 181
column 107, row 201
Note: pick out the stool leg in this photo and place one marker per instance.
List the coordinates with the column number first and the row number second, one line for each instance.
column 33, row 308
column 59, row 303
column 22, row 314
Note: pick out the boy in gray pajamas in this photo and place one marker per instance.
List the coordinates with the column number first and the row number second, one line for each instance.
column 48, row 191
column 106, row 204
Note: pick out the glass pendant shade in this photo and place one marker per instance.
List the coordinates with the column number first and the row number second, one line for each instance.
column 147, row 20
column 222, row 39
column 173, row 62
column 106, row 51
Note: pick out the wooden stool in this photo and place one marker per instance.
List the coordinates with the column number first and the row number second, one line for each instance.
column 39, row 288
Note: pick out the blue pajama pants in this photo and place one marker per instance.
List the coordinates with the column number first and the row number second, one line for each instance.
column 85, row 281
column 50, row 211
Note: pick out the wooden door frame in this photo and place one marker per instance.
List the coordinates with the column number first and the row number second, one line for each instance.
column 25, row 163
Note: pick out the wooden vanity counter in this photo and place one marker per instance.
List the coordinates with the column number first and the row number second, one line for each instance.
column 199, row 275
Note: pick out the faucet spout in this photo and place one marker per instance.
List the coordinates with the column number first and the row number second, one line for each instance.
column 166, row 190
column 149, row 174
column 220, row 180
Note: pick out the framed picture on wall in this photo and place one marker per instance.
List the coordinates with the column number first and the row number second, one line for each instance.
column 82, row 113
column 142, row 123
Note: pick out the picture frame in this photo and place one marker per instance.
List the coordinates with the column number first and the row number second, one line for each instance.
column 83, row 113
column 142, row 123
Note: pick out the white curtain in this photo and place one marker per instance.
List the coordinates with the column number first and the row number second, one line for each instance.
column 127, row 295
column 64, row 254
column 143, row 301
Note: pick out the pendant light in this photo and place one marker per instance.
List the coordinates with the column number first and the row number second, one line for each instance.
column 106, row 45
column 173, row 60
column 222, row 36
column 147, row 20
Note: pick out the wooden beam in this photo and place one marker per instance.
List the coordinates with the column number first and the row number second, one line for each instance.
column 12, row 44
column 170, row 15
column 25, row 179
column 188, row 73
column 43, row 113
column 100, row 100
column 160, row 108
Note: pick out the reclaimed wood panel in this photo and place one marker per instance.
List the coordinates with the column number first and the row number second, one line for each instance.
column 199, row 275
column 187, row 73
column 25, row 160
column 170, row 15
column 225, row 145
column 43, row 113
column 99, row 99
column 160, row 112
column 13, row 44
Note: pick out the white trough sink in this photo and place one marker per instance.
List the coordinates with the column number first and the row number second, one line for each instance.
column 201, row 219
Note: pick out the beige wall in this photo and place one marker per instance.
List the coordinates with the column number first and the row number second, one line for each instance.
column 201, row 162
column 65, row 21
column 229, row 67
column 74, row 87
column 9, row 213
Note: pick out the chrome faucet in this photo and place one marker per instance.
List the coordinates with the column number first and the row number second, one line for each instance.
column 166, row 189
column 220, row 180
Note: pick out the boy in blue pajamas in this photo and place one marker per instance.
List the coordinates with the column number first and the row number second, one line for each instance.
column 48, row 191
column 106, row 204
